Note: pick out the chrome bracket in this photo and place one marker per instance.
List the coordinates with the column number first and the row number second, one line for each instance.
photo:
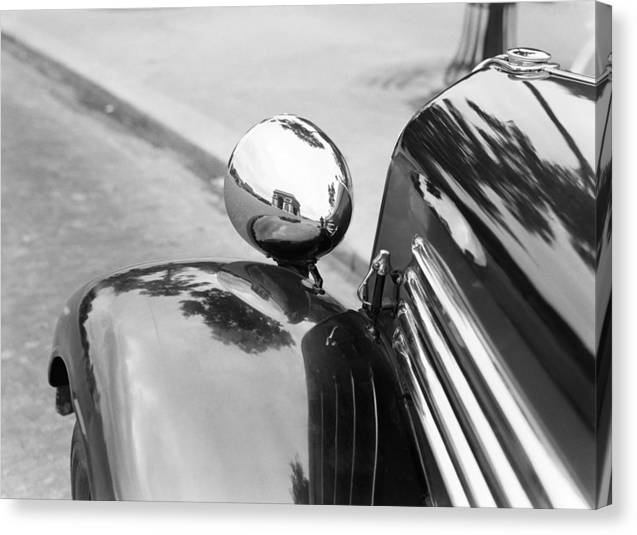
column 380, row 267
column 318, row 280
column 313, row 281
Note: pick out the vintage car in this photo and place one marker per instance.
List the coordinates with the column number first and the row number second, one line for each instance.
column 475, row 373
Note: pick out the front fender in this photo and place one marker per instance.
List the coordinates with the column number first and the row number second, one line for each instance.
column 190, row 381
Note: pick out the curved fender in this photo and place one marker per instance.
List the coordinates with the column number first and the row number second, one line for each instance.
column 198, row 381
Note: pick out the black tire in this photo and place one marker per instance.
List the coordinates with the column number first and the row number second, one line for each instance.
column 80, row 481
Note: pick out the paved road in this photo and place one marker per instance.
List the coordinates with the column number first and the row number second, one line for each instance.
column 80, row 196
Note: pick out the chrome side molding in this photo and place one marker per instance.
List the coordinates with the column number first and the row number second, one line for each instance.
column 463, row 479
column 443, row 339
column 493, row 460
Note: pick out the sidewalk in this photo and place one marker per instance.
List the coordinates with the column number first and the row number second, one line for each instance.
column 212, row 73
column 201, row 77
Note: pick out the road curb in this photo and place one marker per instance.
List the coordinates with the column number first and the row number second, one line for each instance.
column 156, row 118
column 201, row 143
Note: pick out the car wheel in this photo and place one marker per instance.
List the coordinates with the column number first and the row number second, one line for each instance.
column 80, row 486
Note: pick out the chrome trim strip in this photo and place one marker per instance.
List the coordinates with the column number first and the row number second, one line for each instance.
column 444, row 464
column 371, row 376
column 79, row 416
column 482, row 363
column 455, row 442
column 322, row 452
column 351, row 480
column 582, row 78
column 605, row 484
column 491, row 456
column 335, row 441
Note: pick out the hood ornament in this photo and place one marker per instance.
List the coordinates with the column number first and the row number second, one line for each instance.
column 527, row 57
column 529, row 63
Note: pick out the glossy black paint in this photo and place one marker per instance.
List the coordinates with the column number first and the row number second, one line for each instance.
column 235, row 381
column 502, row 175
column 216, row 381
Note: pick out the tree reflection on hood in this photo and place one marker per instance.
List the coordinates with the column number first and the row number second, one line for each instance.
column 230, row 320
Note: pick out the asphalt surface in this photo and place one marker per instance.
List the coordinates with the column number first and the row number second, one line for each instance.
column 81, row 196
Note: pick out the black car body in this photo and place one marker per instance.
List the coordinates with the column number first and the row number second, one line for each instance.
column 476, row 372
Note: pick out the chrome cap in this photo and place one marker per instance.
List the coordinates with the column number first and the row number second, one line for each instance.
column 288, row 191
column 524, row 56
